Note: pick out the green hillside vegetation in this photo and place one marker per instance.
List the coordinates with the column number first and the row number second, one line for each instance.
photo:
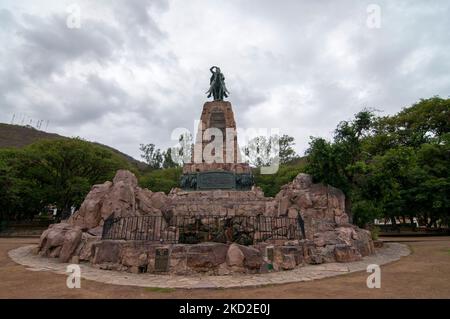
column 19, row 136
column 56, row 172
column 271, row 184
column 161, row 180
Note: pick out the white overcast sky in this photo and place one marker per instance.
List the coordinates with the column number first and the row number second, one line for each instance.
column 135, row 70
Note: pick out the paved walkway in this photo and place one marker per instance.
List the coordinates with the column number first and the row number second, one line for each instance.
column 389, row 253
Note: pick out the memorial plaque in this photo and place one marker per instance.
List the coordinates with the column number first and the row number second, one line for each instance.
column 216, row 180
column 162, row 260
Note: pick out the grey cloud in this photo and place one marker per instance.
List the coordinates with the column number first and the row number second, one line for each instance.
column 7, row 20
column 49, row 44
column 137, row 21
column 301, row 66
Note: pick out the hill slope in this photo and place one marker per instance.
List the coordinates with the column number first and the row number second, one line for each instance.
column 20, row 136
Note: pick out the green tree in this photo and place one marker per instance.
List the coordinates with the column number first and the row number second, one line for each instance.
column 59, row 172
column 260, row 151
column 168, row 162
column 151, row 155
column 332, row 162
column 271, row 183
column 7, row 191
column 287, row 152
column 394, row 167
column 264, row 150
column 161, row 180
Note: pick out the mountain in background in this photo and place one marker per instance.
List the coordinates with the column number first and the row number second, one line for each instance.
column 20, row 136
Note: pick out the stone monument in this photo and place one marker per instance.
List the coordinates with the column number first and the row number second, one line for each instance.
column 218, row 222
column 216, row 161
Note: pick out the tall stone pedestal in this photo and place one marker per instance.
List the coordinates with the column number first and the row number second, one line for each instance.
column 216, row 159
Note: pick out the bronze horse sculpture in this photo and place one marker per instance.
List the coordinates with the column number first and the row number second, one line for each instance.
column 217, row 85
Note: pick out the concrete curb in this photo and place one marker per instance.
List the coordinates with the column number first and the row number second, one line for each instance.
column 387, row 254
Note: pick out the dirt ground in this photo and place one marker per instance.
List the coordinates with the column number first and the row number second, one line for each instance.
column 423, row 274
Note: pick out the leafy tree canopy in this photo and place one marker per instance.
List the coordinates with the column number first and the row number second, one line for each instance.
column 53, row 172
column 390, row 166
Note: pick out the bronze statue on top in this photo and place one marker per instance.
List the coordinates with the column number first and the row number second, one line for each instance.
column 217, row 85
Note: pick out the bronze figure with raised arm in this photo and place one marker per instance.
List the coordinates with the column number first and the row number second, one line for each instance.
column 217, row 85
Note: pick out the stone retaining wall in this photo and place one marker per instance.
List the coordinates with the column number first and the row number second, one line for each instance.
column 329, row 236
column 221, row 202
column 207, row 258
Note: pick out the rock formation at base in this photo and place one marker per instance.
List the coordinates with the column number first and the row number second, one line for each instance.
column 120, row 198
column 328, row 235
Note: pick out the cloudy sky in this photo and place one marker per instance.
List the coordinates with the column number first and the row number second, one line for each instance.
column 135, row 70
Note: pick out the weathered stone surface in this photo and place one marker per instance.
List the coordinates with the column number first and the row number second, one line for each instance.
column 345, row 253
column 295, row 250
column 75, row 260
column 121, row 198
column 60, row 240
column 316, row 203
column 159, row 200
column 235, row 256
column 227, row 124
column 303, row 200
column 223, row 270
column 327, row 253
column 97, row 231
column 71, row 241
column 120, row 201
column 364, row 242
column 253, row 258
column 283, row 205
column 293, row 212
column 206, row 256
column 328, row 238
column 130, row 256
column 52, row 237
column 220, row 202
column 107, row 251
column 89, row 216
column 54, row 253
column 126, row 177
column 85, row 250
column 288, row 262
column 312, row 255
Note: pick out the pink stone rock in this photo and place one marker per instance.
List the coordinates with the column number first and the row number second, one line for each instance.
column 143, row 201
column 71, row 241
column 292, row 212
column 235, row 257
column 159, row 200
column 345, row 253
column 206, row 256
column 60, row 240
column 302, row 181
column 303, row 200
column 126, row 177
column 288, row 262
column 120, row 201
column 89, row 216
column 53, row 238
column 283, row 206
